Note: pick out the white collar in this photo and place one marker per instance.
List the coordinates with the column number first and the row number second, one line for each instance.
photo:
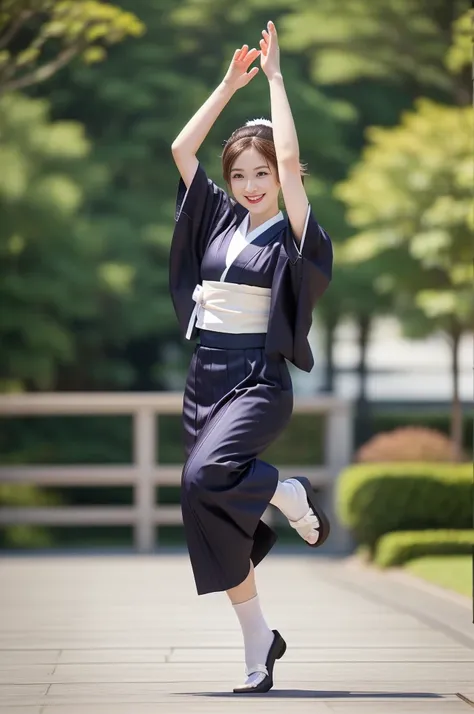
column 252, row 235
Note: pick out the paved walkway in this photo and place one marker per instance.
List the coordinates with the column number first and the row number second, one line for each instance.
column 128, row 635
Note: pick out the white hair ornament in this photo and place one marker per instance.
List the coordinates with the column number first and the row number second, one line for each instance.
column 257, row 122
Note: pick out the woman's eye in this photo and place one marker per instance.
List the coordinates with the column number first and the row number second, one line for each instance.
column 237, row 176
column 262, row 173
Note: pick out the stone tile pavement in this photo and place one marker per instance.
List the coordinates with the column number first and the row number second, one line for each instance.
column 128, row 635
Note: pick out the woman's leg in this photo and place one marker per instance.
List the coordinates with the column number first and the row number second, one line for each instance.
column 258, row 637
column 226, row 489
column 246, row 590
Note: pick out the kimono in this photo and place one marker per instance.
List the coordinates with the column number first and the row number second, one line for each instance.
column 238, row 396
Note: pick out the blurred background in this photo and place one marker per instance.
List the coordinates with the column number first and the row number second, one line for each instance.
column 92, row 95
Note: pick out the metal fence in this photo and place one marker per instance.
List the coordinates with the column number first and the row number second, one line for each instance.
column 145, row 473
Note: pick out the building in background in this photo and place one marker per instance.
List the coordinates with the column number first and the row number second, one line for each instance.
column 399, row 369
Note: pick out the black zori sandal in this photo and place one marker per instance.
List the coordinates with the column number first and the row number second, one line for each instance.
column 276, row 651
column 315, row 521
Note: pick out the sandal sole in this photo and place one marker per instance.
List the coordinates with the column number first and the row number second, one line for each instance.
column 277, row 650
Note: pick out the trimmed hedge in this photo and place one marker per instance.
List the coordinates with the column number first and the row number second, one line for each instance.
column 398, row 548
column 374, row 499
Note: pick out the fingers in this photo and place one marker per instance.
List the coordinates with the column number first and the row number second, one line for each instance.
column 270, row 34
column 248, row 56
column 250, row 75
column 241, row 53
column 251, row 57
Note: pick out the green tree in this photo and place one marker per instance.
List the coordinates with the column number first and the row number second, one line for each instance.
column 39, row 37
column 400, row 41
column 48, row 254
column 379, row 56
column 410, row 199
column 339, row 67
column 132, row 107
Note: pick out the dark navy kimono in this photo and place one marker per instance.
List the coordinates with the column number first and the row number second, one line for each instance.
column 238, row 396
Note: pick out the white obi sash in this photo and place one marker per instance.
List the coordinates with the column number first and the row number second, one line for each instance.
column 230, row 307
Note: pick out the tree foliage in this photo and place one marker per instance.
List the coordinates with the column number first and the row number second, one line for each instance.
column 39, row 37
column 395, row 40
column 48, row 258
column 410, row 197
column 132, row 106
column 459, row 55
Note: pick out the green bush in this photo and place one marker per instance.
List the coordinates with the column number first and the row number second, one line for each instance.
column 25, row 495
column 374, row 499
column 398, row 548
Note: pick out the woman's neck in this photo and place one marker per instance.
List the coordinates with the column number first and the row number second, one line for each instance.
column 256, row 220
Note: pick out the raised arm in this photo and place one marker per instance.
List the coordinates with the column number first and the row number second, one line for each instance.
column 188, row 141
column 284, row 135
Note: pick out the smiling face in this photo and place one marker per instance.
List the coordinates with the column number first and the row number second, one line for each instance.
column 254, row 184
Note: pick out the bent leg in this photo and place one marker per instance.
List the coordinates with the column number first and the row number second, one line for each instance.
column 226, row 489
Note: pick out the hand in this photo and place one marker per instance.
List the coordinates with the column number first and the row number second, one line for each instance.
column 270, row 55
column 237, row 75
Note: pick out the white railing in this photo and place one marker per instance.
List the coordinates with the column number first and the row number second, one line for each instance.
column 146, row 473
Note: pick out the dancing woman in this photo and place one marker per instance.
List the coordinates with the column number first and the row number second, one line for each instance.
column 244, row 279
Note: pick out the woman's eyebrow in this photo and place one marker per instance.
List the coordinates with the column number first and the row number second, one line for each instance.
column 255, row 169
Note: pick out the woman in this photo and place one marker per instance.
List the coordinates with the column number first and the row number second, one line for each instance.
column 244, row 280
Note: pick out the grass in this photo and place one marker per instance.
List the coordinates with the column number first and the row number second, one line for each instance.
column 453, row 572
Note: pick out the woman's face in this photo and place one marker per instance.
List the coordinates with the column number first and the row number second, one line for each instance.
column 254, row 183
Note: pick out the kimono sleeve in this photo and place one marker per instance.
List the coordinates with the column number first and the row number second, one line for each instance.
column 316, row 247
column 201, row 211
column 304, row 279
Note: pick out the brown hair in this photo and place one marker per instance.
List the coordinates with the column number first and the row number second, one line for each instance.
column 258, row 136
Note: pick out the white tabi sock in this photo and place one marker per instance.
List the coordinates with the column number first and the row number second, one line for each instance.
column 258, row 637
column 290, row 498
